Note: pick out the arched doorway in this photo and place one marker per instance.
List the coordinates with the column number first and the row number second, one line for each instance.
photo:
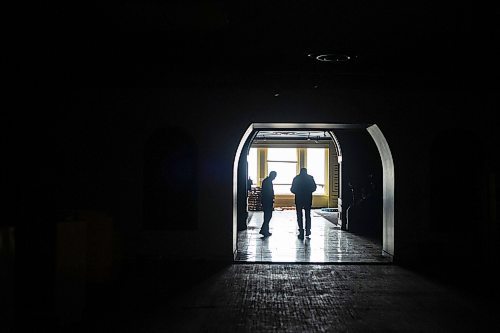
column 239, row 183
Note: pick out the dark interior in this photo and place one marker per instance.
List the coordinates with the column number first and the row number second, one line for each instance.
column 126, row 116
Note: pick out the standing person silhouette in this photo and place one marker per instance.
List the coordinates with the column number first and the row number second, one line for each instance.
column 303, row 186
column 267, row 201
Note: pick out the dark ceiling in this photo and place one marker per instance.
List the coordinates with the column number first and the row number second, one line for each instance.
column 381, row 37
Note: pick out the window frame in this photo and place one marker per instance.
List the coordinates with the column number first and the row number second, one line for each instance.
column 296, row 162
column 263, row 170
column 325, row 168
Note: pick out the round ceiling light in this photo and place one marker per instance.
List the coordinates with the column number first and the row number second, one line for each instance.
column 334, row 57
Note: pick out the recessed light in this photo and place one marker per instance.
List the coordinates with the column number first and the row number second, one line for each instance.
column 333, row 57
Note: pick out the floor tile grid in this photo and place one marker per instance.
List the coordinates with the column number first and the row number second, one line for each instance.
column 327, row 243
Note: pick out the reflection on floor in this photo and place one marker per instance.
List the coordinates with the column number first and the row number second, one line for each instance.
column 327, row 242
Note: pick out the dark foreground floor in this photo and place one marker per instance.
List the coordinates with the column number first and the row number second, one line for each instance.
column 297, row 298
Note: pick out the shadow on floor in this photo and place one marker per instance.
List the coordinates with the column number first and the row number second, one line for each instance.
column 151, row 283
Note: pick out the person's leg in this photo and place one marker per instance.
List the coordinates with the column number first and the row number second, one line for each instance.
column 307, row 212
column 268, row 213
column 300, row 221
column 299, row 218
column 265, row 225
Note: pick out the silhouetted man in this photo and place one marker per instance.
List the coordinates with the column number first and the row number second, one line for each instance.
column 303, row 186
column 267, row 200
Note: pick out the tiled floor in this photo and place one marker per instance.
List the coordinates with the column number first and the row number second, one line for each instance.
column 327, row 242
column 306, row 298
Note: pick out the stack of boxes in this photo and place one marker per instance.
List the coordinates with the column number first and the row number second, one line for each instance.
column 254, row 199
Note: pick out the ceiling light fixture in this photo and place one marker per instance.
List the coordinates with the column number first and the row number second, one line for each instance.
column 333, row 57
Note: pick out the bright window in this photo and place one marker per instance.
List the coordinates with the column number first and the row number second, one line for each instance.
column 284, row 162
column 252, row 165
column 282, row 154
column 316, row 167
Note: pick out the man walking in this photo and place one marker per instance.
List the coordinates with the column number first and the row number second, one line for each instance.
column 303, row 186
column 267, row 201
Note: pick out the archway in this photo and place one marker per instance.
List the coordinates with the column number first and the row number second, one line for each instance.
column 239, row 187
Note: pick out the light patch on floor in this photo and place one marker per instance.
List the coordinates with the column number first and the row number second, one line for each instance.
column 327, row 242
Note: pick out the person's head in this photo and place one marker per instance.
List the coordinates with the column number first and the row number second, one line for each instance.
column 303, row 171
column 272, row 175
